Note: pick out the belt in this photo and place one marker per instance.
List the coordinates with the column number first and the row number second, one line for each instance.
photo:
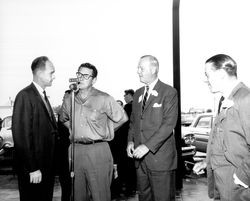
column 89, row 142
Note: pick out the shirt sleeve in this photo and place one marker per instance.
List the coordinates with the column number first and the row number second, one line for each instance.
column 115, row 112
column 23, row 133
column 64, row 113
column 243, row 171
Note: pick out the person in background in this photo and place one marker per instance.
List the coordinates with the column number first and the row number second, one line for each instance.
column 228, row 153
column 97, row 115
column 120, row 102
column 116, row 153
column 126, row 166
column 151, row 139
column 62, row 156
column 124, row 185
column 34, row 130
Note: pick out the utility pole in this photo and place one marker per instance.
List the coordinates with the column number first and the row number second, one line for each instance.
column 177, row 86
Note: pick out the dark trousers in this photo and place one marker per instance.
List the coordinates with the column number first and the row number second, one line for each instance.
column 93, row 168
column 35, row 192
column 127, row 173
column 62, row 161
column 64, row 173
column 155, row 185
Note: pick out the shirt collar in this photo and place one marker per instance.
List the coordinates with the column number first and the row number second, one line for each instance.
column 152, row 84
column 39, row 88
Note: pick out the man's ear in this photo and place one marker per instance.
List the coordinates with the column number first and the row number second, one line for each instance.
column 223, row 73
column 153, row 70
column 94, row 81
column 38, row 72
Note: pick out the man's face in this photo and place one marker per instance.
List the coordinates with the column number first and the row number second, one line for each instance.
column 87, row 78
column 145, row 71
column 213, row 78
column 127, row 98
column 48, row 74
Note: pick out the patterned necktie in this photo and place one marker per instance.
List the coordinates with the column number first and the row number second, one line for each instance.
column 145, row 98
column 51, row 113
column 220, row 103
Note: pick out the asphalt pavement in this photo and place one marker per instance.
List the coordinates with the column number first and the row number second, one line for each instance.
column 194, row 189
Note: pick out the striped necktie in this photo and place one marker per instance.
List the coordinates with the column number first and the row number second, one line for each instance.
column 145, row 98
column 51, row 113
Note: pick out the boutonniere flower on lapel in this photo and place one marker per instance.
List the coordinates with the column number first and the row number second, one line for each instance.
column 154, row 93
column 227, row 104
column 140, row 99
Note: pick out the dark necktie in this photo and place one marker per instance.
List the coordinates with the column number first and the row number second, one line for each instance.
column 220, row 103
column 51, row 113
column 145, row 98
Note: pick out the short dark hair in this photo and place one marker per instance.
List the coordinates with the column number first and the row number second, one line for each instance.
column 89, row 66
column 39, row 63
column 223, row 61
column 129, row 91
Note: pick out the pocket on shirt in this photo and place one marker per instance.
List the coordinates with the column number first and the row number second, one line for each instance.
column 95, row 115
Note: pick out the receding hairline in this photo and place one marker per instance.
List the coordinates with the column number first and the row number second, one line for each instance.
column 39, row 64
column 153, row 60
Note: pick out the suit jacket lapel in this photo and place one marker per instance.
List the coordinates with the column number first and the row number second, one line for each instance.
column 53, row 121
column 151, row 97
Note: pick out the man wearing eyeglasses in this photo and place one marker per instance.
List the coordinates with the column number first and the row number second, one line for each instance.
column 97, row 115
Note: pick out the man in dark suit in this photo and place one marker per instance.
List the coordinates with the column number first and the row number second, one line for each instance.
column 34, row 131
column 228, row 152
column 151, row 140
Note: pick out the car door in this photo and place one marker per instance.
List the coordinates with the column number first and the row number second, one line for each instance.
column 6, row 133
column 201, row 132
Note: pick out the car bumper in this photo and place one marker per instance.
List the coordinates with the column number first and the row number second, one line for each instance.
column 188, row 151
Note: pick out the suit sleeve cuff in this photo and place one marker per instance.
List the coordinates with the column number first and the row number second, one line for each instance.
column 242, row 176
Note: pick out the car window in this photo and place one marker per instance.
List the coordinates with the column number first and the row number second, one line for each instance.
column 7, row 122
column 204, row 122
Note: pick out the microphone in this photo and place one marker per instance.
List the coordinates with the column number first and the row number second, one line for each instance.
column 73, row 86
column 75, row 79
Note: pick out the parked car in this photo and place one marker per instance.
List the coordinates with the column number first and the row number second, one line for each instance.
column 6, row 143
column 6, row 140
column 187, row 119
column 197, row 133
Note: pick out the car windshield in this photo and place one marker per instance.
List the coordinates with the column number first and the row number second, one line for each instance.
column 204, row 122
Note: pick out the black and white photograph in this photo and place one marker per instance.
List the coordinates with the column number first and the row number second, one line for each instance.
column 124, row 100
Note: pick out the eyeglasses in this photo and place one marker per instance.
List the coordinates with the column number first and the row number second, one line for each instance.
column 85, row 76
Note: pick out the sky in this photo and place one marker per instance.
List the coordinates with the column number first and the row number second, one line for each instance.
column 113, row 35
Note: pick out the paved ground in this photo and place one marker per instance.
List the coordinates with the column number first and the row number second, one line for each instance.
column 194, row 189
